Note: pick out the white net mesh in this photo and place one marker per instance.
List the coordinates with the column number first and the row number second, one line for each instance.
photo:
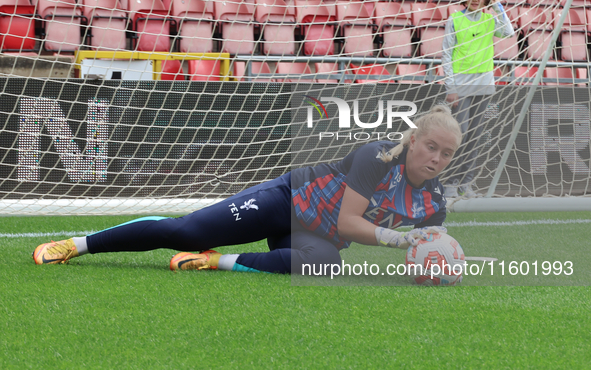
column 146, row 106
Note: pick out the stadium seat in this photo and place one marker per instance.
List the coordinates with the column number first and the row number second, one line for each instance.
column 375, row 70
column 537, row 24
column 331, row 68
column 151, row 25
column 448, row 9
column 577, row 3
column 316, row 20
column 108, row 23
column 172, row 70
column 549, row 3
column 440, row 74
column 573, row 36
column 62, row 19
column 293, row 69
column 195, row 25
column 431, row 24
column 237, row 23
column 506, row 47
column 17, row 25
column 394, row 25
column 256, row 68
column 411, row 73
column 370, row 7
column 426, row 14
column 582, row 73
column 523, row 75
column 356, row 29
column 499, row 72
column 204, row 70
column 551, row 76
column 278, row 23
column 535, row 18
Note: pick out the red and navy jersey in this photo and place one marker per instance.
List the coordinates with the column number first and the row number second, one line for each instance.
column 317, row 193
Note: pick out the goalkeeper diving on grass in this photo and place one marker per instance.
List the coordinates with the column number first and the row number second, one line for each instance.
column 307, row 215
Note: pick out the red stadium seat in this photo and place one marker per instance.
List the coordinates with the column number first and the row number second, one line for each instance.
column 552, row 3
column 507, row 3
column 538, row 18
column 151, row 24
column 499, row 73
column 582, row 73
column 411, row 73
column 440, row 74
column 108, row 23
column 537, row 24
column 573, row 35
column 316, row 20
column 292, row 69
column 172, row 70
column 370, row 7
column 431, row 24
column 256, row 68
column 523, row 75
column 448, row 9
column 195, row 25
column 371, row 70
column 506, row 47
column 331, row 69
column 17, row 25
column 427, row 14
column 577, row 3
column 204, row 70
column 394, row 25
column 357, row 28
column 278, row 24
column 62, row 24
column 237, row 26
column 552, row 76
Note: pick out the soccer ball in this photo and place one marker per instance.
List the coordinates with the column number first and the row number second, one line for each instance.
column 439, row 260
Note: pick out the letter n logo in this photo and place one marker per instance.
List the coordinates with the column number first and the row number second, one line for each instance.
column 87, row 165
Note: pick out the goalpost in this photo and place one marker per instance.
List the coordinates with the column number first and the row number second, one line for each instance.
column 109, row 107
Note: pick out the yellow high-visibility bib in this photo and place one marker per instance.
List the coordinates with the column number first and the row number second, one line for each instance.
column 474, row 51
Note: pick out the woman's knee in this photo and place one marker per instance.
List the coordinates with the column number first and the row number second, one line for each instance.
column 311, row 250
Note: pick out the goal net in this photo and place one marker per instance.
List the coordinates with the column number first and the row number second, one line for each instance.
column 163, row 107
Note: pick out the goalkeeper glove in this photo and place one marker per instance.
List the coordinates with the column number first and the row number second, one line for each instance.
column 395, row 239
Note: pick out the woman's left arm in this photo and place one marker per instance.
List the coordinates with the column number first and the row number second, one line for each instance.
column 503, row 26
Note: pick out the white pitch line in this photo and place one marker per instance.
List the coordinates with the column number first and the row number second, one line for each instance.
column 50, row 234
column 517, row 223
column 447, row 224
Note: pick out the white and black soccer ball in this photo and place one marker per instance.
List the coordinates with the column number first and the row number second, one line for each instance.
column 439, row 260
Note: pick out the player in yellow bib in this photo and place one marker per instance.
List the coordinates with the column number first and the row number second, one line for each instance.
column 467, row 61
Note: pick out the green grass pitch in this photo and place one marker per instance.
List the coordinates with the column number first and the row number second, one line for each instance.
column 128, row 311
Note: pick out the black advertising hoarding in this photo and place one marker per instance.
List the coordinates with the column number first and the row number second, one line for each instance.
column 75, row 138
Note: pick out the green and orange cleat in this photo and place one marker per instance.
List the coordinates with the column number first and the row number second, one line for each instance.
column 55, row 252
column 207, row 260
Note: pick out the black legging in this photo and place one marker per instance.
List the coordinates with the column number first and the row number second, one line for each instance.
column 264, row 211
